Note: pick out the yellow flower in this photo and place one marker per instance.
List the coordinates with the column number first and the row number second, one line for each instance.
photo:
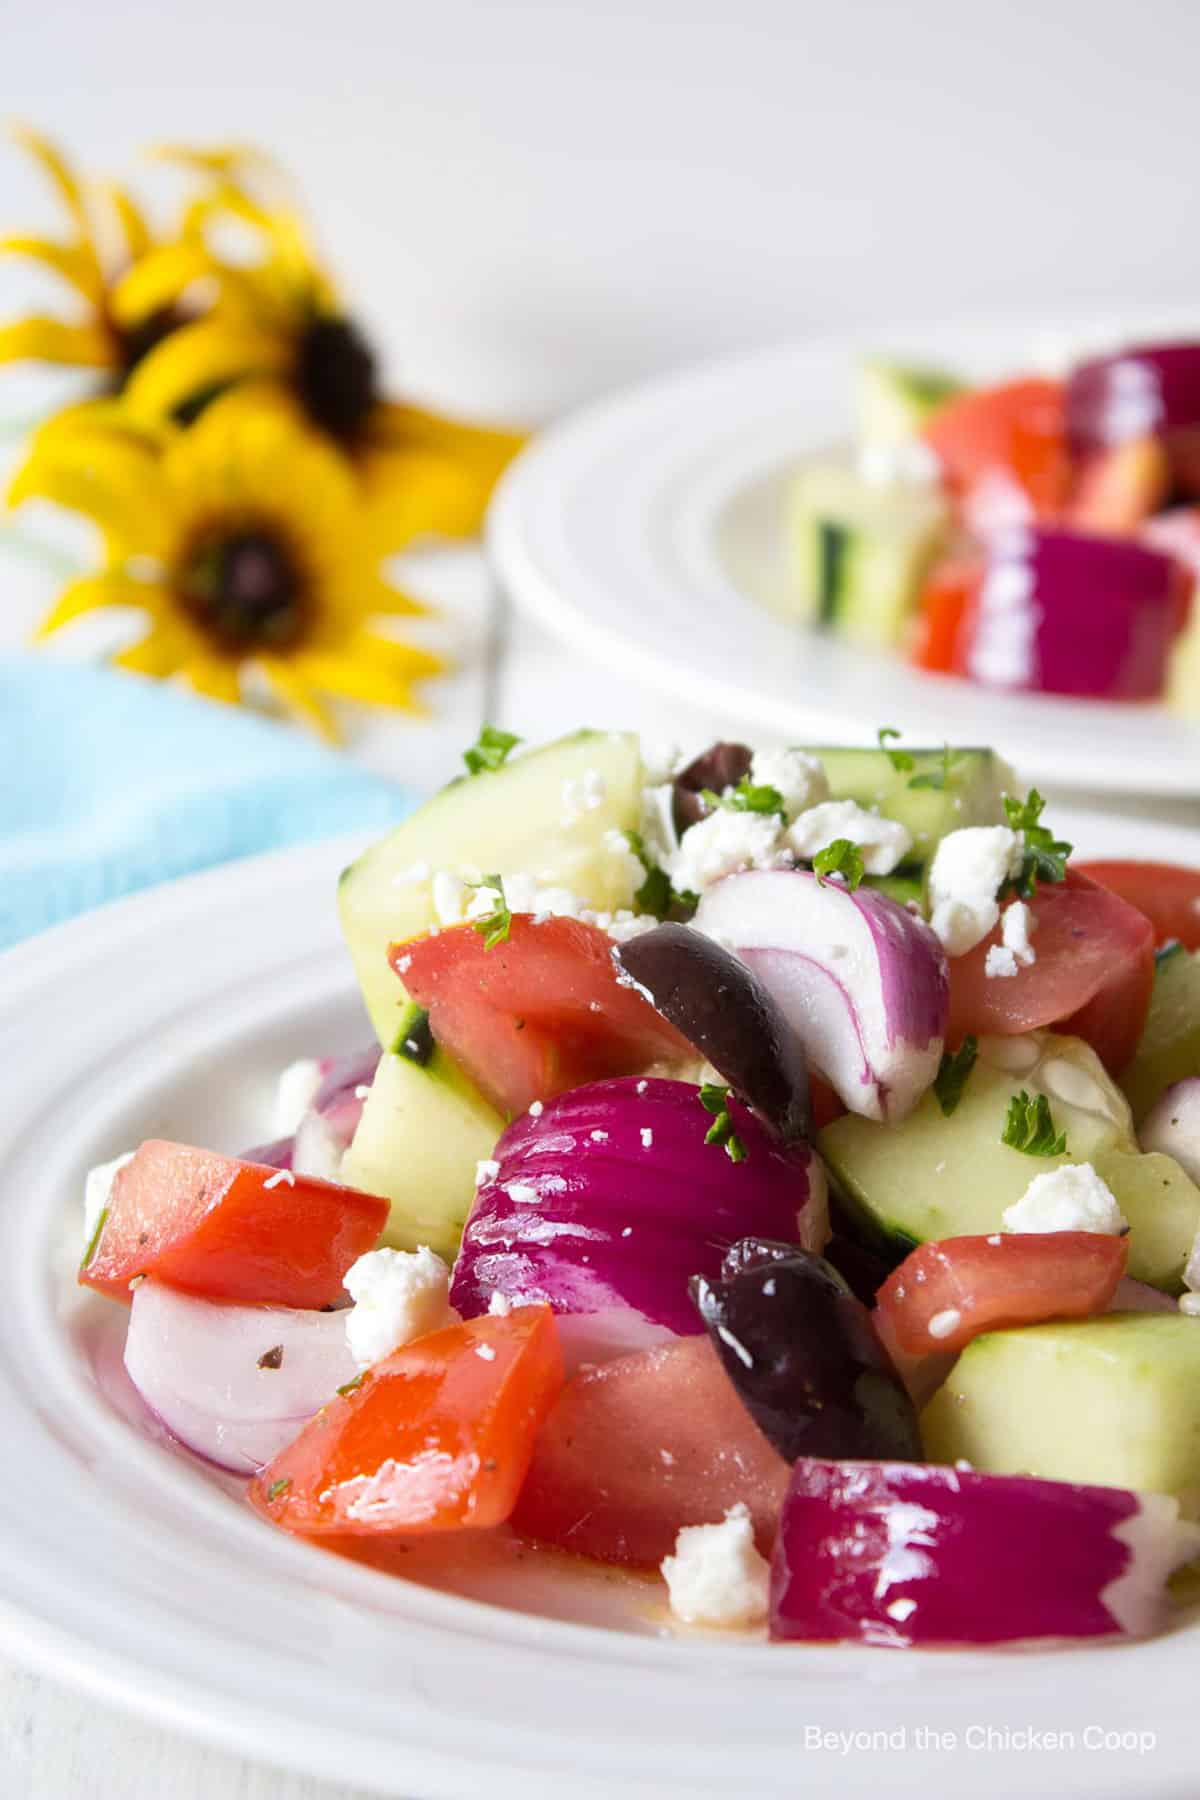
column 106, row 241
column 279, row 317
column 245, row 540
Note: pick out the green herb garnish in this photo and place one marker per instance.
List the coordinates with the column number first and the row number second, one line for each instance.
column 899, row 759
column 715, row 1099
column 1029, row 1127
column 746, row 797
column 839, row 858
column 1045, row 857
column 491, row 750
column 951, row 1077
column 88, row 1254
column 656, row 896
column 278, row 1488
column 354, row 1383
column 939, row 779
column 495, row 926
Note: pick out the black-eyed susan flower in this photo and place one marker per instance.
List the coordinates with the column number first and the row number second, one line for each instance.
column 245, row 541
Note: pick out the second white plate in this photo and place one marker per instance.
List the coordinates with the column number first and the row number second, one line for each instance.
column 646, row 532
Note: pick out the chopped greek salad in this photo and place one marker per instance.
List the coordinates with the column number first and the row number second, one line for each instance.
column 778, row 1169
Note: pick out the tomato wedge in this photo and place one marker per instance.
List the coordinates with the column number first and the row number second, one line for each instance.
column 943, row 607
column 229, row 1230
column 537, row 1014
column 437, row 1437
column 640, row 1446
column 1003, row 451
column 1168, row 895
column 967, row 1285
column 1092, row 978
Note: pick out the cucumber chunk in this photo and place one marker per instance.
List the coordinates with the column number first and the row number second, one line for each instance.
column 861, row 551
column 936, row 1177
column 1113, row 1400
column 422, row 1131
column 1170, row 1046
column 515, row 819
column 972, row 795
column 894, row 400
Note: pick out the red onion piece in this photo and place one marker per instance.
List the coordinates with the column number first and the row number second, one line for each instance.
column 862, row 980
column 323, row 1135
column 1146, row 391
column 198, row 1366
column 607, row 1203
column 895, row 1554
column 1059, row 612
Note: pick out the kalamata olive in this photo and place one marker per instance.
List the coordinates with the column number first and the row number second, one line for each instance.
column 723, row 1008
column 803, row 1355
column 719, row 767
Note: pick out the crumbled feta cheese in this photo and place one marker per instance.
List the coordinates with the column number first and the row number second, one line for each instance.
column 486, row 1352
column 723, row 843
column 487, row 1170
column 1017, row 925
column 281, row 1178
column 398, row 1295
column 647, row 1136
column 295, row 1093
column 97, row 1188
column 656, row 823
column 499, row 1305
column 484, row 901
column 943, row 1323
column 901, row 1609
column 623, row 869
column 318, row 1150
column 798, row 778
column 1073, row 1198
column 521, row 1194
column 536, row 1108
column 968, row 869
column 716, row 1576
column 625, row 925
column 661, row 762
column 999, row 961
column 1190, row 1304
column 883, row 842
column 582, row 795
column 448, row 898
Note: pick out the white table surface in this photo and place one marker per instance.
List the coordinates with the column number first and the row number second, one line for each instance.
column 55, row 1745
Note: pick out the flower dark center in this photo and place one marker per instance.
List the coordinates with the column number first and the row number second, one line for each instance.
column 335, row 377
column 244, row 589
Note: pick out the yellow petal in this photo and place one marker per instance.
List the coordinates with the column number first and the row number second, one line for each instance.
column 131, row 219
column 215, row 678
column 296, row 693
column 55, row 166
column 161, row 652
column 92, row 592
column 418, row 493
column 357, row 679
column 54, row 341
column 409, row 662
column 107, row 415
column 158, row 280
column 215, row 159
column 73, row 264
column 197, row 358
column 111, row 480
column 487, row 449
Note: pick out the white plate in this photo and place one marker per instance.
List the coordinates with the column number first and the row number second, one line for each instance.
column 129, row 1569
column 647, row 533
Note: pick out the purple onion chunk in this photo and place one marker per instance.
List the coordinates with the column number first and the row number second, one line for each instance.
column 863, row 981
column 606, row 1203
column 803, row 1356
column 1149, row 390
column 898, row 1554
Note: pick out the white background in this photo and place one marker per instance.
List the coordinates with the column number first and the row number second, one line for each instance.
column 532, row 203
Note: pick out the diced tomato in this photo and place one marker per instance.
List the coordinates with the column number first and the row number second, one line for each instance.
column 1115, row 490
column 1003, row 451
column 1168, row 895
column 640, row 1446
column 229, row 1230
column 943, row 606
column 537, row 1014
column 967, row 1285
column 437, row 1437
column 1092, row 978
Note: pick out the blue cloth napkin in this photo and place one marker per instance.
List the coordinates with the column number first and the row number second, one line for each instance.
column 109, row 782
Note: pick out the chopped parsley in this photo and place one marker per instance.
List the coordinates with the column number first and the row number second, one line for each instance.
column 746, row 797
column 279, row 1488
column 656, row 896
column 715, row 1099
column 901, row 760
column 1029, row 1127
column 839, row 858
column 952, row 1074
column 354, row 1383
column 1045, row 857
column 495, row 926
column 939, row 779
column 88, row 1254
column 490, row 751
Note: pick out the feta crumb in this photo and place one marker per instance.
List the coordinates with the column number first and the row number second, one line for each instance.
column 281, row 1178
column 536, row 1108
column 723, row 843
column 484, row 901
column 943, row 1323
column 521, row 1194
column 883, row 842
column 486, row 1352
column 999, row 961
column 398, row 1295
column 994, row 1239
column 403, row 965
column 499, row 1306
column 487, row 1170
column 598, row 1137
column 1190, row 1304
column 662, row 762
column 447, row 898
column 716, row 1576
column 968, row 869
column 582, row 795
column 623, row 869
column 647, row 1136
column 656, row 822
column 624, row 925
column 1017, row 925
column 97, row 1188
column 798, row 778
column 1073, row 1198
column 901, row 1609
column 641, row 1087
column 627, row 1231
column 295, row 1093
